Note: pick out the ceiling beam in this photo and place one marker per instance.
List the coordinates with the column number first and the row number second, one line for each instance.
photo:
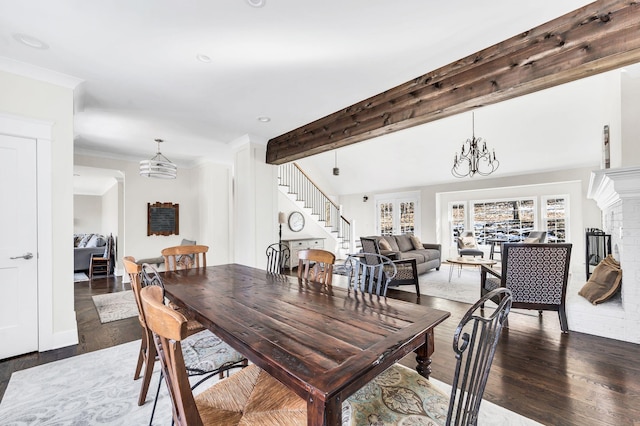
column 599, row 37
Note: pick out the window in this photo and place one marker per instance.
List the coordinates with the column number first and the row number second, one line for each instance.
column 457, row 220
column 555, row 218
column 511, row 220
column 397, row 213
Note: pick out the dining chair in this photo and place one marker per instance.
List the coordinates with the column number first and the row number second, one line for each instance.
column 400, row 395
column 406, row 269
column 185, row 257
column 249, row 396
column 370, row 273
column 278, row 256
column 467, row 245
column 536, row 274
column 316, row 265
column 207, row 354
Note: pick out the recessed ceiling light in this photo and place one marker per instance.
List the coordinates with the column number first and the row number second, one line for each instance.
column 256, row 3
column 203, row 58
column 264, row 119
column 33, row 42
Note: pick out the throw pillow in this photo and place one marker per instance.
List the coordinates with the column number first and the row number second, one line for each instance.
column 468, row 242
column 384, row 245
column 93, row 241
column 530, row 240
column 604, row 282
column 417, row 244
column 83, row 242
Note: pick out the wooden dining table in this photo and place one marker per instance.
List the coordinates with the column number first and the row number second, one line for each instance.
column 323, row 342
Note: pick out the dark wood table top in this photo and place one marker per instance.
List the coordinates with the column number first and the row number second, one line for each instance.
column 321, row 341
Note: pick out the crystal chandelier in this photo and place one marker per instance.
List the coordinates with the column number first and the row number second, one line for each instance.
column 473, row 159
column 159, row 166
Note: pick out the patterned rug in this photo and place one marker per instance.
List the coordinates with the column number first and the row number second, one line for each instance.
column 98, row 388
column 115, row 306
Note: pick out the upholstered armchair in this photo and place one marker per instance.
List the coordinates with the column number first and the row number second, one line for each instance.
column 536, row 237
column 536, row 274
column 468, row 246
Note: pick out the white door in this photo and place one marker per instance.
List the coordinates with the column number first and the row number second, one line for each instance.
column 18, row 247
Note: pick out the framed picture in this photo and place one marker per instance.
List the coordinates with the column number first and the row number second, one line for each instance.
column 163, row 219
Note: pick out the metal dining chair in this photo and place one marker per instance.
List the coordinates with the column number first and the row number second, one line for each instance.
column 370, row 273
column 401, row 395
column 278, row 256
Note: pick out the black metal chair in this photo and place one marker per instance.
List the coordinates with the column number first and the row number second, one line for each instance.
column 278, row 256
column 400, row 393
column 406, row 269
column 370, row 273
column 536, row 274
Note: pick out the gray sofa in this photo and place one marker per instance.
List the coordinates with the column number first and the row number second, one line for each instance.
column 84, row 247
column 428, row 257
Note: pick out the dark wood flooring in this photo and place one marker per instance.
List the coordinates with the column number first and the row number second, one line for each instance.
column 550, row 377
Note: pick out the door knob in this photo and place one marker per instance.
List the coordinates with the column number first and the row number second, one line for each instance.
column 24, row 256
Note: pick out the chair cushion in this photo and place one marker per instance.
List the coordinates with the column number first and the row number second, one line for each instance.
column 404, row 242
column 251, row 397
column 604, row 282
column 531, row 240
column 204, row 352
column 397, row 396
column 417, row 244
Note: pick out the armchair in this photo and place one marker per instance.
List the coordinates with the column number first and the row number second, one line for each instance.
column 536, row 274
column 468, row 246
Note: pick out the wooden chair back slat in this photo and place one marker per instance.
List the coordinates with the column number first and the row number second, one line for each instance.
column 316, row 265
column 185, row 257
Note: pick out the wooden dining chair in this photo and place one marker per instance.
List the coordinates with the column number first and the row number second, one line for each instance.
column 400, row 395
column 249, row 396
column 207, row 354
column 185, row 257
column 316, row 265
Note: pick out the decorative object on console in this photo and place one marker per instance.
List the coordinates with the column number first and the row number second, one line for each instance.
column 474, row 160
column 159, row 166
column 296, row 221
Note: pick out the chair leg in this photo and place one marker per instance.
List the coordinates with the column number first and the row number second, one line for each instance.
column 148, row 372
column 564, row 325
column 141, row 357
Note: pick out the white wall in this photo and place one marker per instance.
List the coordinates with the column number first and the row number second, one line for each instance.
column 52, row 103
column 189, row 190
column 87, row 214
column 630, row 135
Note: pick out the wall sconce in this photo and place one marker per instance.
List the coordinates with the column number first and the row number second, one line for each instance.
column 364, row 199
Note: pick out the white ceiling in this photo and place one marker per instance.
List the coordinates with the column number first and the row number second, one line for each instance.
column 291, row 60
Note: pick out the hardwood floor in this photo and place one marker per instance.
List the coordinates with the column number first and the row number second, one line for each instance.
column 550, row 377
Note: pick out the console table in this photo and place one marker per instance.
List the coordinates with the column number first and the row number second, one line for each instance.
column 297, row 244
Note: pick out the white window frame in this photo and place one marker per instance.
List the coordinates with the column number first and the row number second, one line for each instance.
column 395, row 199
column 465, row 220
column 472, row 203
column 567, row 214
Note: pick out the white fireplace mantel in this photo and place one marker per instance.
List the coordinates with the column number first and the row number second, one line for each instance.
column 608, row 186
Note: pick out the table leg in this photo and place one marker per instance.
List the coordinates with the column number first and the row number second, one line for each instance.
column 324, row 413
column 450, row 272
column 423, row 355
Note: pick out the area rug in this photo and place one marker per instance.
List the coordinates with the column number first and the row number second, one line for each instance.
column 464, row 288
column 115, row 306
column 80, row 276
column 98, row 388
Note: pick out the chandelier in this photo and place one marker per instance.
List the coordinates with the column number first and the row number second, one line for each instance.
column 159, row 166
column 473, row 159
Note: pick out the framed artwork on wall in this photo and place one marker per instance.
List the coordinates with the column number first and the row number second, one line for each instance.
column 163, row 219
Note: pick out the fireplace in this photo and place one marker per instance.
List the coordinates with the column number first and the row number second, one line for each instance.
column 617, row 193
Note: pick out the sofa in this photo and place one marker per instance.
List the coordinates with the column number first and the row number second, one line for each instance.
column 84, row 247
column 427, row 256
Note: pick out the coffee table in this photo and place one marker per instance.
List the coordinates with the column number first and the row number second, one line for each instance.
column 467, row 261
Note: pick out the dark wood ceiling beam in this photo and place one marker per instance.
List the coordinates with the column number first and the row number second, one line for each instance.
column 599, row 37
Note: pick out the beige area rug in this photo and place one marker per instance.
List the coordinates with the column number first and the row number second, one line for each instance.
column 115, row 306
column 98, row 388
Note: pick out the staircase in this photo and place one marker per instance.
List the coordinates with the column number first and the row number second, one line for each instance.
column 294, row 182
